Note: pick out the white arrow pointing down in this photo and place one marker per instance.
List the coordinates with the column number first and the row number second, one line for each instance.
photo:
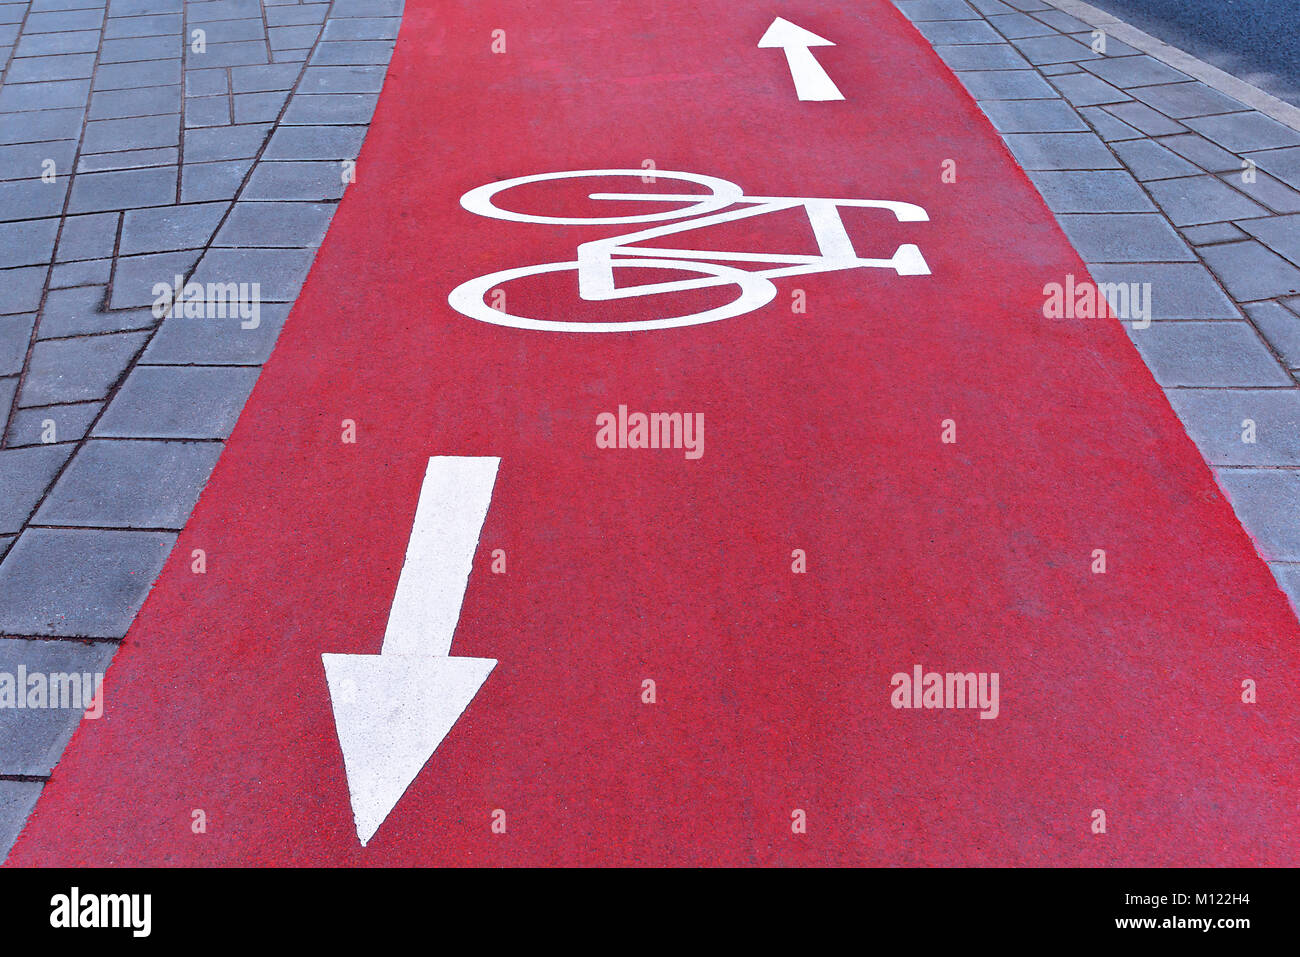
column 810, row 80
column 393, row 709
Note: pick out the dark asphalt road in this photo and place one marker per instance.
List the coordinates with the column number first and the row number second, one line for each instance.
column 1255, row 40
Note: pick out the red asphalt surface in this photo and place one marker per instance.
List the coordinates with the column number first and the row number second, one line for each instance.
column 1119, row 691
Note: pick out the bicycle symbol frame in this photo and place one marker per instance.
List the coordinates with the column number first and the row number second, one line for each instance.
column 597, row 260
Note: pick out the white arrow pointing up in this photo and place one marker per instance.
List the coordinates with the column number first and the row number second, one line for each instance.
column 810, row 80
column 392, row 710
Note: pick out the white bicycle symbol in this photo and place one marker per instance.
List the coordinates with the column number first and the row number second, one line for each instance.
column 596, row 260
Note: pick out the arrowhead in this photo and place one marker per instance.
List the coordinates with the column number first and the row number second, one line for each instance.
column 783, row 33
column 391, row 713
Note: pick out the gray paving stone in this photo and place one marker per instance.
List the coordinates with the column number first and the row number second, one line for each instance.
column 222, row 10
column 315, row 142
column 52, row 424
column 259, row 107
column 283, row 16
column 38, row 127
column 140, row 48
column 17, row 801
column 1266, row 190
column 378, row 52
column 240, row 53
column 1130, row 71
column 1284, row 164
column 915, row 10
column 1212, row 233
column 1033, row 116
column 1053, row 49
column 140, row 132
column 370, row 79
column 1062, row 21
column 1202, row 152
column 25, row 474
column 1192, row 200
column 966, row 56
column 178, row 402
column 1006, row 85
column 286, row 224
column 1148, row 160
column 386, row 28
column 1280, row 327
column 1013, row 26
column 134, row 277
column 59, row 21
column 302, row 36
column 128, row 159
column 1214, row 419
column 36, row 736
column 31, row 199
column 72, row 312
column 316, row 109
column 50, row 95
column 1183, row 100
column 229, row 31
column 1280, row 233
column 20, row 288
column 214, row 82
column 24, row 160
column 167, row 228
column 300, row 180
column 1125, row 238
column 1060, row 151
column 123, row 76
column 1241, row 132
column 279, row 272
column 938, row 31
column 27, row 243
column 88, row 272
column 8, row 388
column 1207, row 354
column 1084, row 89
column 78, row 582
column 202, row 182
column 1098, row 191
column 129, row 483
column 1264, row 500
column 376, row 8
column 142, row 101
column 1109, row 128
column 207, row 111
column 48, row 44
column 262, row 79
column 1178, row 290
column 77, row 370
column 1142, row 117
column 88, row 237
column 15, row 337
column 289, row 56
column 68, row 66
column 217, row 341
column 235, row 142
column 124, row 189
column 1251, row 271
column 153, row 25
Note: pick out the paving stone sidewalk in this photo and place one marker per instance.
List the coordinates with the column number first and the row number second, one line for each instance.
column 141, row 140
column 1157, row 177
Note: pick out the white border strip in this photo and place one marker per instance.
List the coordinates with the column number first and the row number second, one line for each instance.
column 1225, row 83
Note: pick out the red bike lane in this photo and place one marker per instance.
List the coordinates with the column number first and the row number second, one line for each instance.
column 823, row 432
